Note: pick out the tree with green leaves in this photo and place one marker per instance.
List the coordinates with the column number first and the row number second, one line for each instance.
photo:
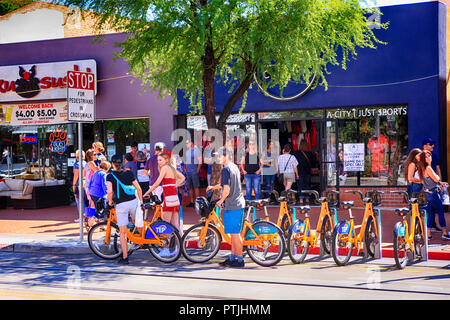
column 193, row 44
column 7, row 6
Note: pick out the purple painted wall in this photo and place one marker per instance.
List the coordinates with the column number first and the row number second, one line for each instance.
column 118, row 98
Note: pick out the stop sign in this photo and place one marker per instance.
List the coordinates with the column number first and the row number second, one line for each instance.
column 80, row 80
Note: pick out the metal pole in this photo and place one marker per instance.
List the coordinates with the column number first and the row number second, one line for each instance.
column 80, row 178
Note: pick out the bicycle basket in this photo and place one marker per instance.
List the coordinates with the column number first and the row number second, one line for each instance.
column 202, row 206
column 375, row 196
column 332, row 198
column 100, row 210
column 421, row 198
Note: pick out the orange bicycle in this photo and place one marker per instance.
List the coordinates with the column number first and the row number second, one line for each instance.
column 344, row 234
column 301, row 236
column 286, row 200
column 159, row 237
column 409, row 242
column 263, row 240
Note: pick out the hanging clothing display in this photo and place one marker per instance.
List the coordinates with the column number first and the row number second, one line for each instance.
column 377, row 149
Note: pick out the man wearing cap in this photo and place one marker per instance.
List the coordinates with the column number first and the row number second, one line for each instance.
column 193, row 166
column 151, row 168
column 428, row 145
column 234, row 204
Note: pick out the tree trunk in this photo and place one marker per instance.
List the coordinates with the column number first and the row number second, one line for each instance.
column 393, row 177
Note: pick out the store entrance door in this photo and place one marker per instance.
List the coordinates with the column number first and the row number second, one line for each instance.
column 328, row 155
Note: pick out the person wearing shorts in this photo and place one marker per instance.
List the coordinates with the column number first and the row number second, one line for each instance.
column 287, row 165
column 193, row 166
column 234, row 204
column 125, row 204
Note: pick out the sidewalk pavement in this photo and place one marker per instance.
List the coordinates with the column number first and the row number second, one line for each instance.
column 53, row 230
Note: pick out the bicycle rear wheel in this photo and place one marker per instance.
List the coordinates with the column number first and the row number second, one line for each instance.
column 108, row 250
column 370, row 237
column 297, row 246
column 341, row 247
column 271, row 249
column 170, row 251
column 192, row 248
column 400, row 250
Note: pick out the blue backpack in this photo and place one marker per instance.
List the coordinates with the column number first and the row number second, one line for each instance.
column 129, row 190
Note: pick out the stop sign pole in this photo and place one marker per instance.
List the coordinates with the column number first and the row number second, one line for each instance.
column 80, row 108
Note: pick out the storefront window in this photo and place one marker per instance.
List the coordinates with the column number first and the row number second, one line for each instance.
column 372, row 143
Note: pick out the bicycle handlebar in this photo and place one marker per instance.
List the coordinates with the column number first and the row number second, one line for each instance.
column 313, row 192
column 356, row 192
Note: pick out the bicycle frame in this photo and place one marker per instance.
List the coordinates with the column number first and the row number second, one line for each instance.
column 358, row 239
column 131, row 236
column 313, row 236
column 284, row 209
column 258, row 241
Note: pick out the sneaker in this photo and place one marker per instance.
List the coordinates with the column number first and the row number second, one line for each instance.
column 429, row 238
column 435, row 229
column 190, row 205
column 446, row 236
column 76, row 220
column 226, row 263
column 123, row 261
column 236, row 264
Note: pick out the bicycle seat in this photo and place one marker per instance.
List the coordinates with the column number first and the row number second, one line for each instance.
column 402, row 211
column 323, row 199
column 348, row 204
column 367, row 200
column 257, row 203
column 303, row 209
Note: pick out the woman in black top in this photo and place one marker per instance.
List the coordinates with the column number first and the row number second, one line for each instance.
column 251, row 166
column 120, row 185
column 305, row 161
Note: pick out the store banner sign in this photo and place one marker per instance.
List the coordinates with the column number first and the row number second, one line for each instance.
column 33, row 113
column 39, row 81
column 353, row 157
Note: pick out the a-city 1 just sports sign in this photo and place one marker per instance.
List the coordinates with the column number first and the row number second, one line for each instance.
column 80, row 96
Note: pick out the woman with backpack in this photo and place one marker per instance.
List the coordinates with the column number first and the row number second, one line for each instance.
column 122, row 189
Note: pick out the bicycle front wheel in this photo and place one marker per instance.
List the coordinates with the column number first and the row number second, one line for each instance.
column 271, row 244
column 400, row 250
column 419, row 239
column 106, row 247
column 341, row 247
column 170, row 251
column 297, row 245
column 326, row 235
column 192, row 247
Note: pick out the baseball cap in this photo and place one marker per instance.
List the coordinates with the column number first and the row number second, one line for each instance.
column 427, row 140
column 117, row 158
column 160, row 145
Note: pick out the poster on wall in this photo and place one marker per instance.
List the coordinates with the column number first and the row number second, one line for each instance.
column 353, row 157
column 35, row 113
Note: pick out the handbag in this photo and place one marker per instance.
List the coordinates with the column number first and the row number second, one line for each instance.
column 172, row 201
column 281, row 175
column 445, row 197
